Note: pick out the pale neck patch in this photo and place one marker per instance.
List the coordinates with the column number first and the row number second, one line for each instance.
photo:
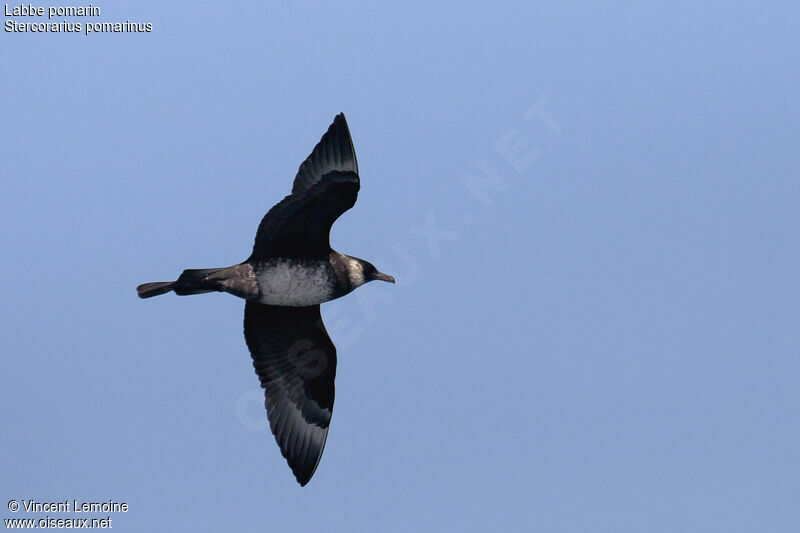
column 355, row 271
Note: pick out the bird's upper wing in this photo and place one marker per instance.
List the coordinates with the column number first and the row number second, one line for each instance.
column 326, row 186
column 296, row 363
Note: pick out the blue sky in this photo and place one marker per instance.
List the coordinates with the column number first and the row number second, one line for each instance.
column 599, row 336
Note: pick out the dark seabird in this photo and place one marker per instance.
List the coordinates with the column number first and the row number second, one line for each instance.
column 291, row 271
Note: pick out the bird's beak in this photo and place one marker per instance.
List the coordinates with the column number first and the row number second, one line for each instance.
column 383, row 277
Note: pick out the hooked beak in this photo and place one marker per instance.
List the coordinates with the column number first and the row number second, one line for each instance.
column 383, row 277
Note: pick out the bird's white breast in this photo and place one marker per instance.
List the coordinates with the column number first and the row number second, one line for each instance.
column 282, row 282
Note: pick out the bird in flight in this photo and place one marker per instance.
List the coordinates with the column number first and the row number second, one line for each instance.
column 291, row 271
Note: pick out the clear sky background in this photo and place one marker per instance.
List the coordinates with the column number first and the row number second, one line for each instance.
column 601, row 335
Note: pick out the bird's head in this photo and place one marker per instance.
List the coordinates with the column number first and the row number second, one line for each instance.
column 362, row 272
column 371, row 274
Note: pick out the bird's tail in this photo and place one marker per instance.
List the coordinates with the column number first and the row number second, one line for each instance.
column 191, row 281
column 148, row 290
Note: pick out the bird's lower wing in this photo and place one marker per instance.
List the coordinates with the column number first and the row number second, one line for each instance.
column 296, row 363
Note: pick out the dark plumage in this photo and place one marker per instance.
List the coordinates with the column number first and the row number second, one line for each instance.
column 292, row 270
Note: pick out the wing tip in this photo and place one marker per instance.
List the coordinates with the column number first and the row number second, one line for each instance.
column 346, row 140
column 339, row 125
column 300, row 469
column 334, row 151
